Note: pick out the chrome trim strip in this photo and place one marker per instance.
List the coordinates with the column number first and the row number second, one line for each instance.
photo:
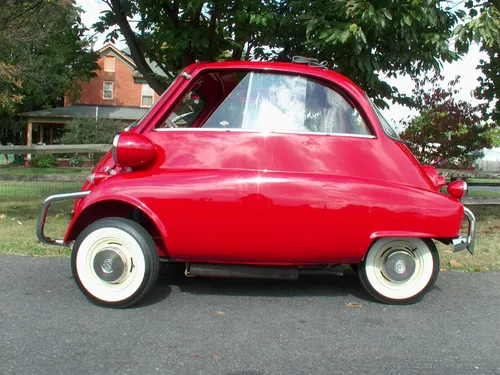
column 43, row 217
column 461, row 243
column 240, row 130
column 113, row 148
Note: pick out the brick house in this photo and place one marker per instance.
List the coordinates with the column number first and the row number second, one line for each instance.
column 117, row 83
column 118, row 91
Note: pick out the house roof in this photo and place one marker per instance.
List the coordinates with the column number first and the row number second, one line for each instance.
column 107, row 48
column 79, row 110
column 154, row 67
column 124, row 55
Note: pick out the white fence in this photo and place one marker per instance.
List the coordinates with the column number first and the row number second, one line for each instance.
column 488, row 165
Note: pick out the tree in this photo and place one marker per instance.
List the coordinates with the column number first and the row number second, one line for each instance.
column 483, row 27
column 446, row 128
column 494, row 135
column 360, row 38
column 42, row 52
column 489, row 83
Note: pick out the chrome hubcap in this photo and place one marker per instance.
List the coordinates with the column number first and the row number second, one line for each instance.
column 110, row 265
column 399, row 266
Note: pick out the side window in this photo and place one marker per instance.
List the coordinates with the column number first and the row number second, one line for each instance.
column 185, row 112
column 230, row 114
column 278, row 102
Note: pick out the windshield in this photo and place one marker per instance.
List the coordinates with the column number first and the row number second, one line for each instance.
column 138, row 121
column 386, row 125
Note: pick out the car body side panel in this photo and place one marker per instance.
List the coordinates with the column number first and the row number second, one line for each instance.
column 216, row 216
column 219, row 199
column 377, row 159
column 327, row 218
column 203, row 189
column 279, row 198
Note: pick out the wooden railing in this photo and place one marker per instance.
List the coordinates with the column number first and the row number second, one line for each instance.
column 55, row 149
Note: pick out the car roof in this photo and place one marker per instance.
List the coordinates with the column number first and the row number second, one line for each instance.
column 286, row 67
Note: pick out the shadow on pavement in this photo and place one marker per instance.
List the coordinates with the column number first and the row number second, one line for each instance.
column 158, row 293
column 305, row 286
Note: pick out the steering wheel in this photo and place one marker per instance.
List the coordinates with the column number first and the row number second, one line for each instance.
column 172, row 123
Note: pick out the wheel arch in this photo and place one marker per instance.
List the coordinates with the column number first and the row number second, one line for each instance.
column 119, row 208
column 397, row 234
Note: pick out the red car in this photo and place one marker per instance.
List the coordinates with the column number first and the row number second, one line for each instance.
column 258, row 169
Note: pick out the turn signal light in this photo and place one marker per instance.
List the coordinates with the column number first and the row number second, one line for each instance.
column 96, row 178
column 133, row 150
column 458, row 189
column 434, row 176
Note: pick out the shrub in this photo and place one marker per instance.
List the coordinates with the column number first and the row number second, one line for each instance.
column 44, row 161
column 87, row 130
column 74, row 161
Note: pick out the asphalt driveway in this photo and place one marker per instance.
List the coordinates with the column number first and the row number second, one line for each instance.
column 236, row 327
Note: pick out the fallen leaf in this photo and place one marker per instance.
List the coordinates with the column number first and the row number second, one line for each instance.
column 214, row 356
column 2, row 216
column 455, row 264
column 19, row 222
column 354, row 305
column 443, row 270
column 219, row 313
column 195, row 355
column 60, row 216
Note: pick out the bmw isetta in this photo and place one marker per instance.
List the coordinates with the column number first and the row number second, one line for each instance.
column 260, row 169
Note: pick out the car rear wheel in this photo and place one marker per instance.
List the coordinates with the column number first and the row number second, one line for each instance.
column 399, row 270
column 114, row 262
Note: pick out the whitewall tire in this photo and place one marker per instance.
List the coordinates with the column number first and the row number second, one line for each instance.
column 399, row 270
column 114, row 262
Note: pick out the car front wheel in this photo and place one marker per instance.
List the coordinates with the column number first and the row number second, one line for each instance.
column 399, row 270
column 114, row 262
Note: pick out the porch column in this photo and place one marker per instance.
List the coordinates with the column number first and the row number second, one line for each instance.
column 51, row 135
column 29, row 136
column 41, row 133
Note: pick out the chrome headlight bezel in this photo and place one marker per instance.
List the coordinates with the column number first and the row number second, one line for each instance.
column 115, row 145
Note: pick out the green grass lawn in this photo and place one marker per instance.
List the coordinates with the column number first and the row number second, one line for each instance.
column 483, row 181
column 18, row 219
column 35, row 191
column 7, row 170
column 487, row 250
column 483, row 193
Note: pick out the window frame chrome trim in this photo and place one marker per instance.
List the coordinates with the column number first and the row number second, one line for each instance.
column 240, row 130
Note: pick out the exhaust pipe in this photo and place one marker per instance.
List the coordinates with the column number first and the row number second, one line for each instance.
column 241, row 271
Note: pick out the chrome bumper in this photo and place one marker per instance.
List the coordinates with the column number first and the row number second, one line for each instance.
column 45, row 208
column 461, row 243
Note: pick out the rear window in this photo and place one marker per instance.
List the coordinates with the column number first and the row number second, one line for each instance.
column 386, row 125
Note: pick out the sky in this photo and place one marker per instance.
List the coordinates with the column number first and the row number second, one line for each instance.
column 466, row 67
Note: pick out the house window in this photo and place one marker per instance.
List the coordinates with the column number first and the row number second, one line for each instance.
column 147, row 96
column 109, row 63
column 107, row 92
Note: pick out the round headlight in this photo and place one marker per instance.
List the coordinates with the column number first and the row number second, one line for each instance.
column 458, row 189
column 133, row 150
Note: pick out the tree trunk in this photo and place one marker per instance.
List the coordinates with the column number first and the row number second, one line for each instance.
column 135, row 50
